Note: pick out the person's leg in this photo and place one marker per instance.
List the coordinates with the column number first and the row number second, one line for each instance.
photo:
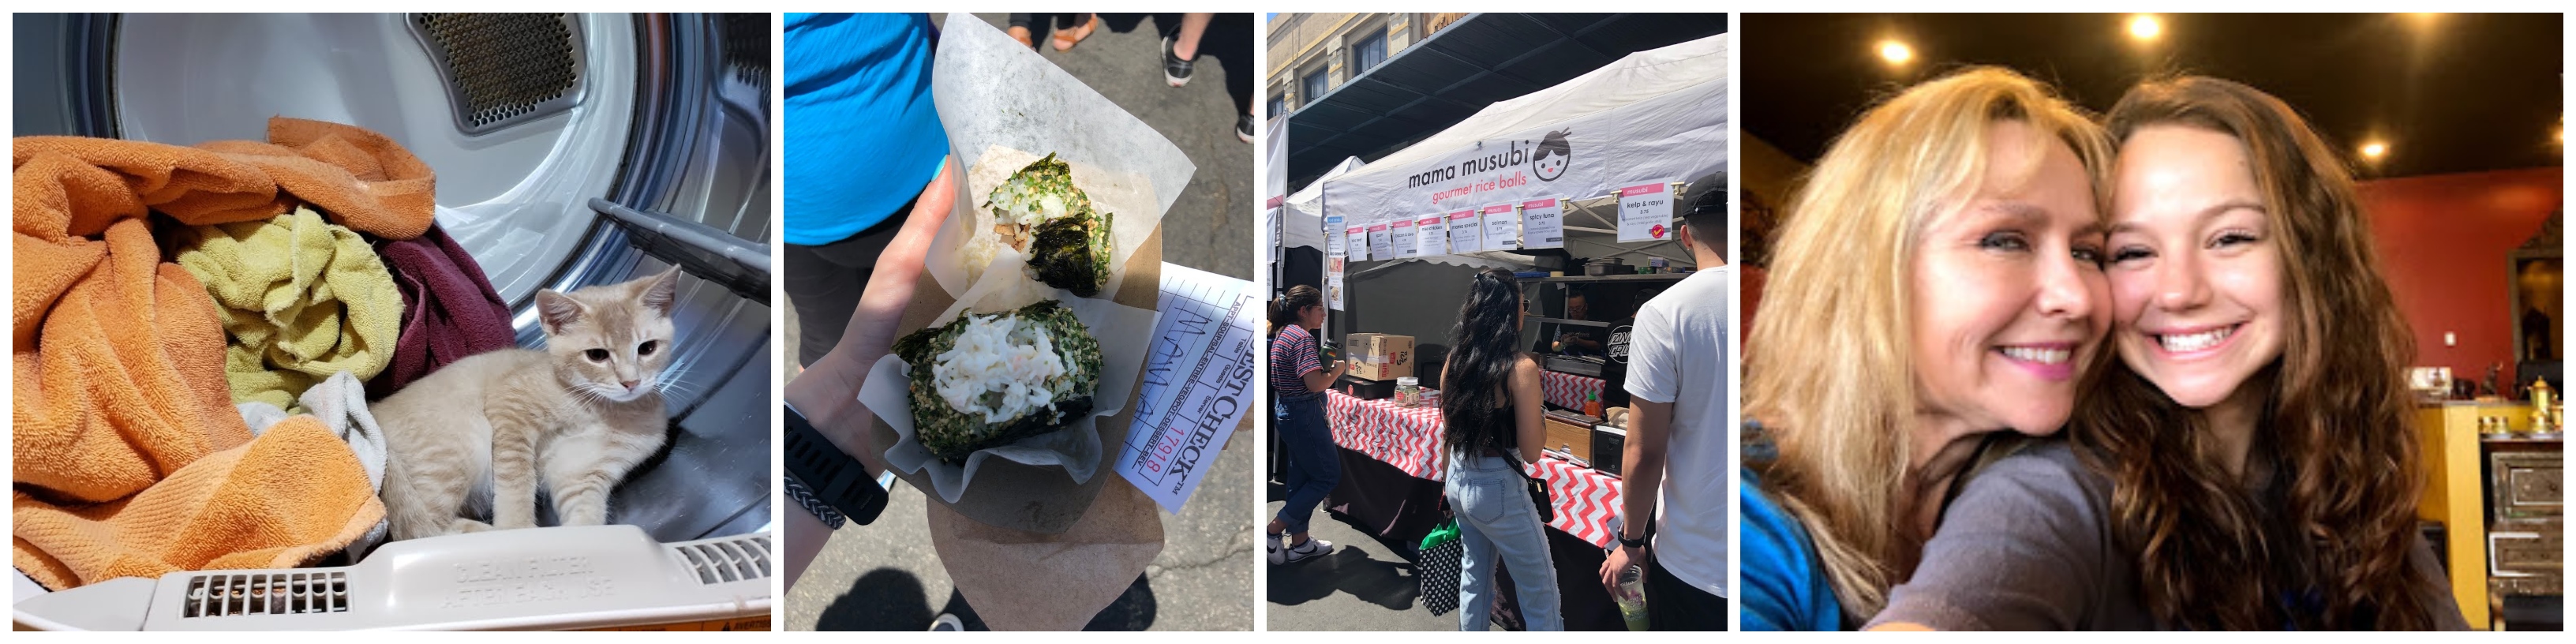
column 1675, row 605
column 1469, row 499
column 1193, row 26
column 1309, row 441
column 1019, row 29
column 1521, row 540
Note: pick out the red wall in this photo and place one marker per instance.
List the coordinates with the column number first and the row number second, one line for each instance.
column 2444, row 239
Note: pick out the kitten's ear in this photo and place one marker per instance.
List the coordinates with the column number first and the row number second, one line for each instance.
column 556, row 311
column 661, row 291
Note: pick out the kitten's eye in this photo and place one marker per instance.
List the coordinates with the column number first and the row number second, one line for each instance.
column 596, row 355
column 647, row 347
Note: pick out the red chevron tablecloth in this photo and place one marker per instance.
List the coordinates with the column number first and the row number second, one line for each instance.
column 1409, row 439
column 1568, row 390
column 1586, row 499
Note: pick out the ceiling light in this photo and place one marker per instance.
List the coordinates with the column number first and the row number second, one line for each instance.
column 2374, row 150
column 1895, row 53
column 2145, row 26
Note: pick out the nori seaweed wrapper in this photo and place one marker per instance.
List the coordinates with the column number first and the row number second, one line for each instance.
column 1072, row 253
column 952, row 435
column 1025, row 193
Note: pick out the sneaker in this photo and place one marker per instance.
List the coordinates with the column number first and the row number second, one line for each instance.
column 1243, row 127
column 1312, row 548
column 1276, row 552
column 1175, row 70
column 947, row 622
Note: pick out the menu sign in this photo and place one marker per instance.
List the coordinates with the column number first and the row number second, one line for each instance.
column 1433, row 234
column 1502, row 227
column 1466, row 234
column 1401, row 236
column 1645, row 213
column 1543, row 223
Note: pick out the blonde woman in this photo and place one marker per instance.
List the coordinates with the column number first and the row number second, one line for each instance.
column 1939, row 281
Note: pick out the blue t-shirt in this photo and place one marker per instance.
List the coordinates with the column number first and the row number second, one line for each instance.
column 1783, row 586
column 863, row 135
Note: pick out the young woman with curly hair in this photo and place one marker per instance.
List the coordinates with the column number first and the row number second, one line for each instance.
column 2248, row 460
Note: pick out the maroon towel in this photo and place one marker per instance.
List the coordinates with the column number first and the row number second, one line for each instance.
column 449, row 309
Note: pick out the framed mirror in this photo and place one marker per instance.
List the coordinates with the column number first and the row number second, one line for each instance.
column 2536, row 272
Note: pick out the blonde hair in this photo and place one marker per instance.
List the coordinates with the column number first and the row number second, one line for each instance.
column 1830, row 364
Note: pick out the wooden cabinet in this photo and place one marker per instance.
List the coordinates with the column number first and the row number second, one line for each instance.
column 2458, row 491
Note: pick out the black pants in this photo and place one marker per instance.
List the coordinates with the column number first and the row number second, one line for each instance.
column 824, row 282
column 1675, row 605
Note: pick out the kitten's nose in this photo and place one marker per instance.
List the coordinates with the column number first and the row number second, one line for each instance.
column 630, row 384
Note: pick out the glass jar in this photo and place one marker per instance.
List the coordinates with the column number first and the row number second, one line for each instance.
column 1408, row 391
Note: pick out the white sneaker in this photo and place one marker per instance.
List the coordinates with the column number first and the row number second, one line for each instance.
column 1312, row 548
column 1275, row 551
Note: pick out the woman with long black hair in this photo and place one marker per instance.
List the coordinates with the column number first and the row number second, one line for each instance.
column 1311, row 464
column 1490, row 415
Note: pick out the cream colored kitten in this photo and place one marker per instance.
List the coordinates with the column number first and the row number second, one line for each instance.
column 492, row 429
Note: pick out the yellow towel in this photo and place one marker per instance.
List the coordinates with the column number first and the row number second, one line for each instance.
column 301, row 299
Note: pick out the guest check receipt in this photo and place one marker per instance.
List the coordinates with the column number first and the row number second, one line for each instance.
column 1197, row 383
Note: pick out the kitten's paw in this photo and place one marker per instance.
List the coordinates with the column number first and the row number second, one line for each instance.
column 464, row 525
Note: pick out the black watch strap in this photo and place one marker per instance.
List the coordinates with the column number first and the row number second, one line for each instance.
column 831, row 475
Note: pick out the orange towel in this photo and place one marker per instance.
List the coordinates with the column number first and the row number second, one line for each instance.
column 123, row 429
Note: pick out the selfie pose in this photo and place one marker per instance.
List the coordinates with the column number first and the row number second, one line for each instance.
column 2248, row 460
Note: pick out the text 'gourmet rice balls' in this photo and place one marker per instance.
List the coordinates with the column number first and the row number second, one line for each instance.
column 986, row 380
column 1039, row 211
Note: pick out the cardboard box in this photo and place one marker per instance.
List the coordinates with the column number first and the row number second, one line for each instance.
column 1379, row 356
column 1569, row 438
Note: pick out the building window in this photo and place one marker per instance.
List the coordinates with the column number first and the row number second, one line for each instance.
column 1368, row 52
column 1278, row 106
column 1313, row 86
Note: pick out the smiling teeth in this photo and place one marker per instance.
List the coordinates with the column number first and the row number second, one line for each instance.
column 2195, row 341
column 2042, row 356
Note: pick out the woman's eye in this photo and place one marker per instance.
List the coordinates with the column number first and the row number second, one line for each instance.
column 2089, row 255
column 647, row 347
column 2004, row 240
column 596, row 355
column 2130, row 253
column 2233, row 238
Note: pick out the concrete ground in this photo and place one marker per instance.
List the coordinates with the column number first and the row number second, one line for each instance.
column 1365, row 585
column 886, row 576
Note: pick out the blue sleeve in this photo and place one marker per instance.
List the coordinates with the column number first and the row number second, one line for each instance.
column 1783, row 586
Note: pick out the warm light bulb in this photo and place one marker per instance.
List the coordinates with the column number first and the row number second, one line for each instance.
column 1896, row 53
column 2374, row 150
column 2146, row 27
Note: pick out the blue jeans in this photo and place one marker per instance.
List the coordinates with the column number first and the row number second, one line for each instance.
column 1496, row 517
column 1312, row 464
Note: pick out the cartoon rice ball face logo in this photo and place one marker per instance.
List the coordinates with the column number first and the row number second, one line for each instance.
column 1554, row 155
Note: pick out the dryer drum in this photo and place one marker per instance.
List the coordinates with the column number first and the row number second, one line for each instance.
column 503, row 68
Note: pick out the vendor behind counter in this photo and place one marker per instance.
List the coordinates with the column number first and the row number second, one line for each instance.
column 1609, row 344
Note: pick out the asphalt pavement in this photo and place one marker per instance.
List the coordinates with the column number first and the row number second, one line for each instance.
column 886, row 576
column 1365, row 585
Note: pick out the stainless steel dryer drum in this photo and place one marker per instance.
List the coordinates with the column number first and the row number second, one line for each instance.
column 503, row 68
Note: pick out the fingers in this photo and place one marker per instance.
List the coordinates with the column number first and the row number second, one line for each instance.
column 890, row 286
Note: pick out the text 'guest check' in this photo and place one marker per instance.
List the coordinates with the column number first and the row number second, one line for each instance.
column 1197, row 383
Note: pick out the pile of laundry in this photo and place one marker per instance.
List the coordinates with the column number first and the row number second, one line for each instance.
column 197, row 332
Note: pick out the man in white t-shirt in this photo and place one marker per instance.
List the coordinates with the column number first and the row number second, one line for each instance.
column 1676, row 464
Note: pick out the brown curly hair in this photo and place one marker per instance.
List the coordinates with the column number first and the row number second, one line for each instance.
column 2335, row 530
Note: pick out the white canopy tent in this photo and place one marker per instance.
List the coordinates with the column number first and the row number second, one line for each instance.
column 1653, row 116
column 1305, row 211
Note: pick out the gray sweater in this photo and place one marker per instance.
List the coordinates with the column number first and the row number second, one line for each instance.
column 2028, row 546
